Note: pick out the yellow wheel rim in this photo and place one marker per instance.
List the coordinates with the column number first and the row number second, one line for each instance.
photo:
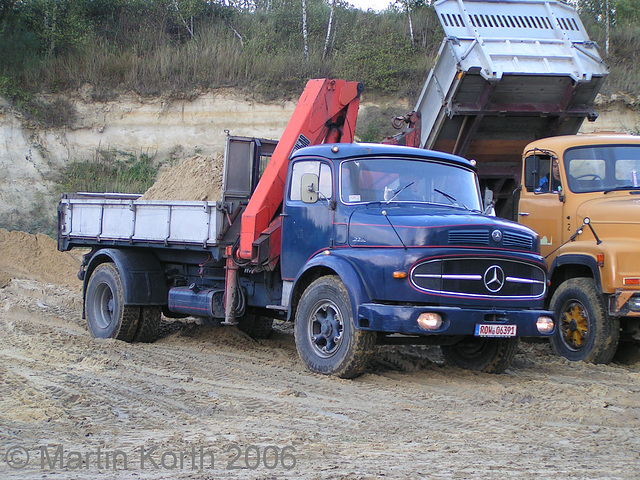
column 575, row 325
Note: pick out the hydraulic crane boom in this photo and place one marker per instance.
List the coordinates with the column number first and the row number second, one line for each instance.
column 326, row 113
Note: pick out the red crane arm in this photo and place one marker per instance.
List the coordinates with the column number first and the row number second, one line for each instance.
column 326, row 113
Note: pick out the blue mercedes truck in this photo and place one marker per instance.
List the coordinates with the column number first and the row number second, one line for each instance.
column 367, row 244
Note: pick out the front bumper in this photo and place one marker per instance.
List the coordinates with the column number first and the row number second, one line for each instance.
column 455, row 321
column 624, row 303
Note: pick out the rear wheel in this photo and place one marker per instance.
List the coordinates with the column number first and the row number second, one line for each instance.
column 149, row 323
column 326, row 337
column 585, row 330
column 489, row 355
column 107, row 315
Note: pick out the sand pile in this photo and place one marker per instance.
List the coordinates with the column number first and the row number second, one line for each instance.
column 197, row 178
column 35, row 257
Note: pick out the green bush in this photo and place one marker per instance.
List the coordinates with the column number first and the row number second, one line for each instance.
column 175, row 46
column 111, row 171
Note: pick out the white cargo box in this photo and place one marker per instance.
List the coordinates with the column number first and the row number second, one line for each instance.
column 123, row 218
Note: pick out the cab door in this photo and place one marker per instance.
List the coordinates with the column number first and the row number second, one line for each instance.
column 307, row 215
column 541, row 210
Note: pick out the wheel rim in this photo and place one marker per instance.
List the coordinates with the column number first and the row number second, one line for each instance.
column 326, row 328
column 574, row 326
column 104, row 306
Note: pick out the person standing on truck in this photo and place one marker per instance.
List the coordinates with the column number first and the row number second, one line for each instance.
column 554, row 176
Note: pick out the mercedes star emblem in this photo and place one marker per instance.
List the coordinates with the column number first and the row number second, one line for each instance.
column 494, row 278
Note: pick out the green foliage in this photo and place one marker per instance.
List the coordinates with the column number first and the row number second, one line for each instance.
column 111, row 171
column 374, row 123
column 178, row 46
column 627, row 12
column 622, row 12
column 12, row 91
column 173, row 46
column 56, row 113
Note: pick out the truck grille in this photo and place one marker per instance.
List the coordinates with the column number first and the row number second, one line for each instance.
column 509, row 239
column 517, row 240
column 480, row 277
column 469, row 237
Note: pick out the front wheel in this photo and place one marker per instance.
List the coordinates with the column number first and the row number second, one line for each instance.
column 107, row 315
column 256, row 326
column 489, row 355
column 585, row 330
column 326, row 337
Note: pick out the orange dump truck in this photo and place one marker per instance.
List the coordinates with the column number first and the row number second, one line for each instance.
column 521, row 76
column 589, row 226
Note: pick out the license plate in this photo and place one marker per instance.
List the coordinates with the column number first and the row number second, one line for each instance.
column 495, row 330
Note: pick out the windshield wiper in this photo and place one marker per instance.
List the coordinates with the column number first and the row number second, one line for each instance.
column 399, row 191
column 623, row 187
column 452, row 199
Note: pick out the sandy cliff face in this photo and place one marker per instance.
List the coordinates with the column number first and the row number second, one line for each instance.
column 164, row 128
column 159, row 127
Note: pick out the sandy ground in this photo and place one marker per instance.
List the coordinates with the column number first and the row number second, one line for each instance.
column 410, row 416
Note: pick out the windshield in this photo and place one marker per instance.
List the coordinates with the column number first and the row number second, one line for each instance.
column 603, row 168
column 406, row 180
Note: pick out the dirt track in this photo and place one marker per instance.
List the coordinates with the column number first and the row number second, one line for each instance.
column 218, row 389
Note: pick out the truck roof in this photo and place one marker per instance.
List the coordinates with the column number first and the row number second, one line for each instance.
column 561, row 143
column 351, row 150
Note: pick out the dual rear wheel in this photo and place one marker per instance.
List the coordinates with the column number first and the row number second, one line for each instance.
column 109, row 317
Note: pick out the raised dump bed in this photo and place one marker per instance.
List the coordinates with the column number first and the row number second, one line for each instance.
column 507, row 73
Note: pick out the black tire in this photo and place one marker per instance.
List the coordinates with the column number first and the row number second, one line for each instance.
column 489, row 355
column 585, row 331
column 107, row 315
column 149, row 324
column 256, row 326
column 326, row 337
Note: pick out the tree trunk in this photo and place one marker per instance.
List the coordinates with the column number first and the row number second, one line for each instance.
column 184, row 22
column 606, row 28
column 410, row 23
column 329, row 26
column 305, row 34
column 52, row 27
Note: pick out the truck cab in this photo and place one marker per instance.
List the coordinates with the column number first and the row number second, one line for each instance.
column 588, row 230
column 390, row 244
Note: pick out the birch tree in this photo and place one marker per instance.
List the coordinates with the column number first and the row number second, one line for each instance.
column 329, row 27
column 406, row 5
column 305, row 32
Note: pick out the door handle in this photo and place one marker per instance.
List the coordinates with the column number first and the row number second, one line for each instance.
column 523, row 214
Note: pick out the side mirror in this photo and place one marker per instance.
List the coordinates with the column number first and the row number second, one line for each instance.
column 309, row 188
column 532, row 172
column 489, row 204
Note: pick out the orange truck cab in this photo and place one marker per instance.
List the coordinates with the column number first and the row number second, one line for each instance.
column 588, row 219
